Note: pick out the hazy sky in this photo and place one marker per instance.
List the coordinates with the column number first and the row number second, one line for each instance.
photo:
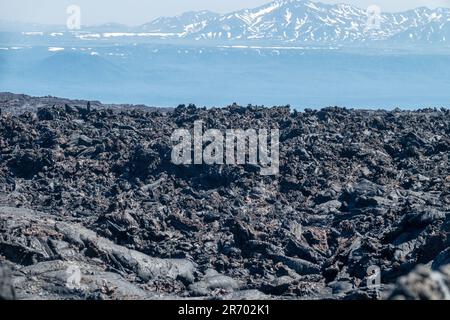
column 134, row 12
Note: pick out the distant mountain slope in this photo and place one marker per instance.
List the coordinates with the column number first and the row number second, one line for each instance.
column 189, row 22
column 287, row 21
column 306, row 21
column 75, row 67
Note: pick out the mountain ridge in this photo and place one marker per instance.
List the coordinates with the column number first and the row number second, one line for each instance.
column 307, row 21
column 283, row 21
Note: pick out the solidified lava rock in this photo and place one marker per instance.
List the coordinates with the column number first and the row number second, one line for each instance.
column 95, row 187
column 6, row 287
column 423, row 284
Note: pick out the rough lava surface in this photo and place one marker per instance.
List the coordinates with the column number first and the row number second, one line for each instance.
column 91, row 206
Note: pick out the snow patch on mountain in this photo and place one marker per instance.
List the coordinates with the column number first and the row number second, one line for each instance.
column 307, row 21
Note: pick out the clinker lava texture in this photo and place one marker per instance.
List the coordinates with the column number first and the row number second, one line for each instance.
column 93, row 189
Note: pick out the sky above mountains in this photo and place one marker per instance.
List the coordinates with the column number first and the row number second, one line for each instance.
column 136, row 12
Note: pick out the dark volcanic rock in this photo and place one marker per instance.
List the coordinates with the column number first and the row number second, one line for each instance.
column 357, row 190
column 423, row 284
column 6, row 286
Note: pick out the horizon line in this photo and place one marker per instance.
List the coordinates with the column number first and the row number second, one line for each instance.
column 11, row 21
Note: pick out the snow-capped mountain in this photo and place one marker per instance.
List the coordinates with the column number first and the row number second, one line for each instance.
column 297, row 21
column 189, row 22
column 307, row 21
